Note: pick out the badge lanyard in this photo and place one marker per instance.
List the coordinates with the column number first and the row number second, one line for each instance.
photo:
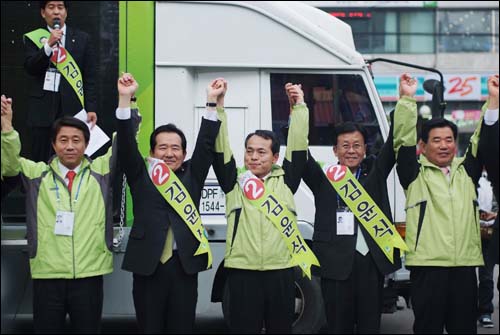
column 77, row 191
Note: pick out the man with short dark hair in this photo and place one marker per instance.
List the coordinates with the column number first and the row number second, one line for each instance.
column 442, row 219
column 263, row 243
column 353, row 261
column 54, row 93
column 167, row 245
column 69, row 224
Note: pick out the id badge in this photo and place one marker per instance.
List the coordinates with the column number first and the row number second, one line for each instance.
column 52, row 80
column 345, row 223
column 64, row 223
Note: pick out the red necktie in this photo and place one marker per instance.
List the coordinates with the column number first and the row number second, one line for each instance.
column 70, row 175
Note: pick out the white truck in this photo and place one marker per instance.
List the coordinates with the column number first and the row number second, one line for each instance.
column 174, row 48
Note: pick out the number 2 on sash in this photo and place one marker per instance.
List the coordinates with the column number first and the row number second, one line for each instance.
column 161, row 173
column 254, row 189
column 336, row 172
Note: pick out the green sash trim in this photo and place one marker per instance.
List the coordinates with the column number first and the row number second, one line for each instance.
column 283, row 219
column 65, row 64
column 365, row 209
column 176, row 195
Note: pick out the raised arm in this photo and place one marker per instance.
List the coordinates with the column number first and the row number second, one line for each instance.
column 129, row 157
column 405, row 131
column 297, row 143
column 224, row 163
column 12, row 162
column 6, row 114
column 386, row 158
column 484, row 141
column 203, row 153
column 11, row 144
column 489, row 146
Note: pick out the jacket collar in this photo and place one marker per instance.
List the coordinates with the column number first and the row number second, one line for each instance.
column 54, row 165
column 276, row 171
column 426, row 163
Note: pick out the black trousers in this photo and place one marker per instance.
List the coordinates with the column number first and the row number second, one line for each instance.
column 165, row 302
column 261, row 298
column 80, row 298
column 444, row 297
column 355, row 304
column 41, row 144
column 486, row 284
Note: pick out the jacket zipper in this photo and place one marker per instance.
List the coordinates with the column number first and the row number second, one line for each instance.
column 450, row 194
column 73, row 233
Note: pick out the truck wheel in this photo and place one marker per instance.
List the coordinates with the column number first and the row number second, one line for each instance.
column 309, row 312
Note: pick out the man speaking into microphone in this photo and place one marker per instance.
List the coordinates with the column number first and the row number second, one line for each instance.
column 61, row 64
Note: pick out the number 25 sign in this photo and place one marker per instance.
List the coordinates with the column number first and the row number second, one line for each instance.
column 462, row 87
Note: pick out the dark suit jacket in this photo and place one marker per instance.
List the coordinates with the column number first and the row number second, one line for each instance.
column 489, row 155
column 152, row 214
column 43, row 107
column 336, row 252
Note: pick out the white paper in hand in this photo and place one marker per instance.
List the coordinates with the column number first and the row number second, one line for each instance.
column 97, row 136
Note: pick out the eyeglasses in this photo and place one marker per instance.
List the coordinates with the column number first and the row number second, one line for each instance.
column 347, row 147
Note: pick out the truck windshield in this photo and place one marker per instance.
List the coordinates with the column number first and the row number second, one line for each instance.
column 332, row 99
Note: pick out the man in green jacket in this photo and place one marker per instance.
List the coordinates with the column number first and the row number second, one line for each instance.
column 442, row 218
column 69, row 224
column 263, row 243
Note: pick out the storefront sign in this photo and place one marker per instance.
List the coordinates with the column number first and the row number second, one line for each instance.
column 458, row 87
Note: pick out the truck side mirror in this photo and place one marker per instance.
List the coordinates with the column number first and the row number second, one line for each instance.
column 436, row 88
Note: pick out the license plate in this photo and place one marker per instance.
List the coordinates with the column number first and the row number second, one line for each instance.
column 213, row 200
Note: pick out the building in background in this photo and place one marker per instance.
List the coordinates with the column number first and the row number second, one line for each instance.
column 459, row 38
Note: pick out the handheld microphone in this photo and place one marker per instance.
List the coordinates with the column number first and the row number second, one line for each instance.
column 56, row 23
